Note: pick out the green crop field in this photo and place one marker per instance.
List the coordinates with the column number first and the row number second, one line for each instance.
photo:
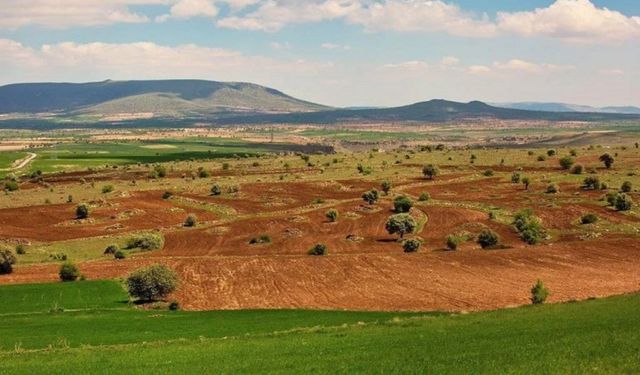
column 74, row 156
column 98, row 332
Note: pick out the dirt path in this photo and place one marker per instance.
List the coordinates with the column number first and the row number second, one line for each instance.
column 20, row 163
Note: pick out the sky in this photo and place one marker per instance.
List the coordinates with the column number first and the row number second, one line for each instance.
column 338, row 52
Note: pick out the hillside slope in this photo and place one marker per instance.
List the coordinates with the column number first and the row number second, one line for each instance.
column 162, row 97
column 437, row 110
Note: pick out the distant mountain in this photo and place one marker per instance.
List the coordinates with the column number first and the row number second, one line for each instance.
column 435, row 111
column 161, row 97
column 563, row 107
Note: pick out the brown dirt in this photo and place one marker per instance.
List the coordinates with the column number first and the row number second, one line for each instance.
column 220, row 270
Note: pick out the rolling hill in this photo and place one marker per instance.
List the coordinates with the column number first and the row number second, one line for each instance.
column 176, row 98
column 433, row 111
column 564, row 107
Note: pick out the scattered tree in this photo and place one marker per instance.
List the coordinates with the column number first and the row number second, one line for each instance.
column 152, row 283
column 386, row 186
column 588, row 219
column 111, row 249
column 82, row 211
column 626, row 187
column 7, row 260
column 552, row 189
column 607, row 160
column 107, row 189
column 430, row 171
column 529, row 226
column 577, row 169
column 566, row 162
column 453, row 242
column 145, row 241
column 318, row 250
column 515, row 178
column 190, row 221
column 591, row 183
column 371, row 196
column 69, row 272
column 119, row 255
column 332, row 215
column 400, row 224
column 424, row 196
column 539, row 293
column 411, row 246
column 402, row 204
column 623, row 202
column 488, row 239
column 167, row 195
column 551, row 152
column 526, row 182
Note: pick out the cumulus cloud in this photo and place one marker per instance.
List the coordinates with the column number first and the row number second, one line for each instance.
column 413, row 65
column 335, row 46
column 571, row 20
column 478, row 69
column 69, row 13
column 518, row 65
column 141, row 60
column 184, row 9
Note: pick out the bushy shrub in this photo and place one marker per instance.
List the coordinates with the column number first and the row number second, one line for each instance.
column 591, row 183
column 21, row 249
column 607, row 160
column 386, row 186
column 69, row 272
column 332, row 215
column 488, row 173
column 453, row 242
column 626, row 187
column 263, row 238
column 411, row 246
column 526, row 181
column 515, row 177
column 539, row 293
column 430, row 171
column 552, row 189
column 7, row 260
column 145, row 241
column 542, row 158
column 623, row 202
column 174, row 306
column 152, row 283
column 611, row 198
column 319, row 249
column 11, row 185
column 529, row 226
column 111, row 249
column 588, row 219
column 225, row 166
column 216, row 190
column 488, row 239
column 566, row 162
column 402, row 204
column 119, row 254
column 107, row 189
column 370, row 196
column 424, row 196
column 82, row 211
column 577, row 169
column 158, row 171
column 167, row 195
column 190, row 221
column 551, row 152
column 400, row 224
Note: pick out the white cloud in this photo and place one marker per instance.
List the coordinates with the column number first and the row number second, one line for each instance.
column 69, row 13
column 280, row 45
column 572, row 20
column 142, row 60
column 449, row 61
column 612, row 72
column 478, row 69
column 335, row 46
column 518, row 65
column 413, row 65
column 184, row 9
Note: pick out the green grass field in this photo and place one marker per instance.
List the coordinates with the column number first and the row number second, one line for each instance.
column 69, row 156
column 108, row 336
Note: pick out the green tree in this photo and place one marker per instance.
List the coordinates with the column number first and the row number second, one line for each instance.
column 430, row 171
column 82, row 211
column 626, row 187
column 623, row 202
column 566, row 162
column 152, row 283
column 332, row 215
column 386, row 186
column 411, row 246
column 402, row 204
column 400, row 224
column 607, row 160
column 7, row 260
column 318, row 250
column 539, row 293
column 69, row 272
column 370, row 196
column 488, row 239
column 526, row 182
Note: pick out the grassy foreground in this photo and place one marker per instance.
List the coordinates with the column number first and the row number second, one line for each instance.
column 598, row 336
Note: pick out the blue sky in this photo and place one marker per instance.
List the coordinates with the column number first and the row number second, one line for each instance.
column 338, row 52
